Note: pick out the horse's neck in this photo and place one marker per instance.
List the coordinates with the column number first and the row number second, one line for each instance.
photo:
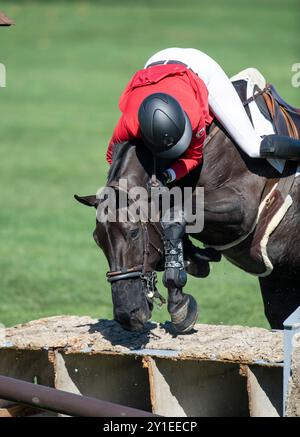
column 134, row 167
column 221, row 161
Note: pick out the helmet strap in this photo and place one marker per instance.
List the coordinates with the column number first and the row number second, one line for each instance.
column 154, row 182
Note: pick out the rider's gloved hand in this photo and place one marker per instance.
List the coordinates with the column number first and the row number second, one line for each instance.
column 168, row 176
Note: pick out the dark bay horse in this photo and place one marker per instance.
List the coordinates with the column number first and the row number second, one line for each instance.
column 233, row 187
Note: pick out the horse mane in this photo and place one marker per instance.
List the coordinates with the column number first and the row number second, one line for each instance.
column 129, row 152
column 119, row 151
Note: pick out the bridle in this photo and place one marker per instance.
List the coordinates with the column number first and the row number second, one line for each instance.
column 142, row 271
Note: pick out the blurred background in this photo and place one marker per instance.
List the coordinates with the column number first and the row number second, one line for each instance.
column 67, row 63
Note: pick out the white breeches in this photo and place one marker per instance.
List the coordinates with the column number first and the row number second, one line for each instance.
column 223, row 100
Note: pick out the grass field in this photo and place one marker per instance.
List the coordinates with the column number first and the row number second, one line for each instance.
column 67, row 63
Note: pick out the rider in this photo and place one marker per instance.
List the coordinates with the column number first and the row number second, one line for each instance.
column 174, row 98
column 200, row 91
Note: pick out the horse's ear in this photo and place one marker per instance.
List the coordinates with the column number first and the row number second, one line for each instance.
column 88, row 200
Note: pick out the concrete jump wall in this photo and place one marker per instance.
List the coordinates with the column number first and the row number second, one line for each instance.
column 293, row 397
column 215, row 371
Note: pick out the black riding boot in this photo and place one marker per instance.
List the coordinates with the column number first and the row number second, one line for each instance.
column 279, row 146
column 182, row 307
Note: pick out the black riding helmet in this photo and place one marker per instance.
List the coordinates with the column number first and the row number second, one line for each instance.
column 165, row 127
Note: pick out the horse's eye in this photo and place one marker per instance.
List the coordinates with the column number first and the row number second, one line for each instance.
column 134, row 233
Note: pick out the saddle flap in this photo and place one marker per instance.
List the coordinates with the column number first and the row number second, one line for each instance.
column 278, row 118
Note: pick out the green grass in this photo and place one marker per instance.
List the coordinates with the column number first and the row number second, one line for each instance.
column 67, row 63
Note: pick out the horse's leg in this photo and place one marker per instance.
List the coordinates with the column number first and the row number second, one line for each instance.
column 181, row 306
column 281, row 297
column 183, row 309
column 223, row 206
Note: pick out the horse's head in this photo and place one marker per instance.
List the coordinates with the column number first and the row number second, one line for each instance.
column 133, row 249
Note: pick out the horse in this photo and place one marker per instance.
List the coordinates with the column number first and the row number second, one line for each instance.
column 232, row 196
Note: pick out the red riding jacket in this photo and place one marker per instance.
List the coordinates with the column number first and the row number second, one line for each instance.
column 187, row 88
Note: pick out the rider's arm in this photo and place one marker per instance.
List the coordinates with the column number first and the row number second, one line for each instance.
column 190, row 159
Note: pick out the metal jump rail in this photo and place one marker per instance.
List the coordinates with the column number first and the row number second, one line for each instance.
column 59, row 401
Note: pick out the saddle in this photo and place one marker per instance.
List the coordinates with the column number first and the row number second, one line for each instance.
column 284, row 117
column 282, row 102
column 275, row 199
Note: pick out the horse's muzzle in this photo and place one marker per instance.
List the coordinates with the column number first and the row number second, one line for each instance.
column 131, row 322
column 131, row 307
